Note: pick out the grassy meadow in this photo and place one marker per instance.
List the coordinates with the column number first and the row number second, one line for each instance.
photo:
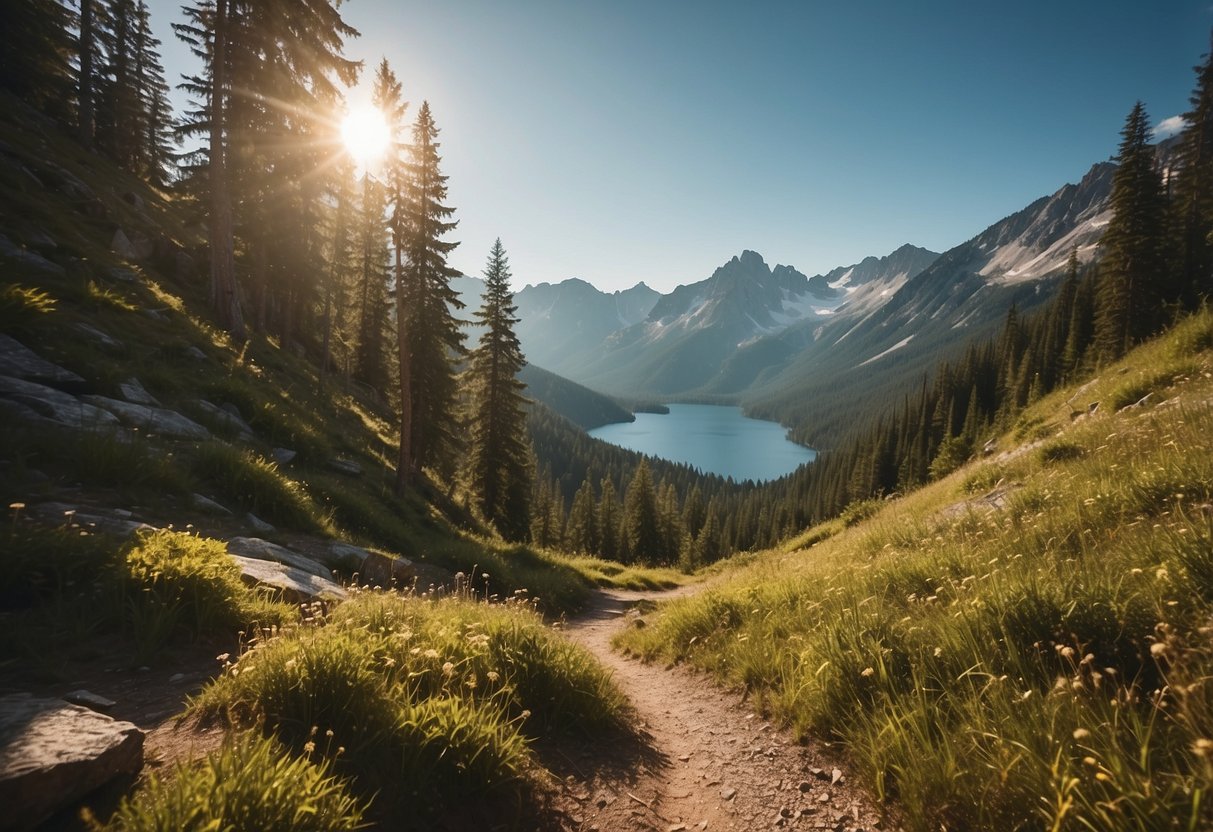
column 1022, row 645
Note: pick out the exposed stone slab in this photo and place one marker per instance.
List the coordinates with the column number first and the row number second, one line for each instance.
column 346, row 466
column 53, row 513
column 387, row 571
column 255, row 547
column 20, row 361
column 283, row 456
column 56, row 405
column 29, row 259
column 295, row 585
column 224, row 416
column 156, row 420
column 133, row 391
column 53, row 753
column 203, row 503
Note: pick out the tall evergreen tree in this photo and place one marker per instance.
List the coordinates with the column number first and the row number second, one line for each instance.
column 371, row 253
column 428, row 301
column 642, row 520
column 498, row 454
column 35, row 63
column 1134, row 269
column 86, row 75
column 1194, row 189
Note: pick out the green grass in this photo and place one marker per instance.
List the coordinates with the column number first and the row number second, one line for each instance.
column 430, row 700
column 1046, row 666
column 257, row 485
column 250, row 783
column 61, row 587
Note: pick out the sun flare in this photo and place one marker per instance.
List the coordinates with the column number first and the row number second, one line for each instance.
column 366, row 134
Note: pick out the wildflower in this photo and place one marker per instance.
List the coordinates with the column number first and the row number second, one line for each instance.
column 493, row 675
column 867, row 671
column 1081, row 734
column 1203, row 747
column 1090, row 761
column 1158, row 650
column 309, row 747
column 448, row 669
column 938, row 652
column 431, row 653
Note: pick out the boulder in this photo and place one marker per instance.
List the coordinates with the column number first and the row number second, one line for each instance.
column 156, row 420
column 114, row 522
column 195, row 353
column 387, row 571
column 258, row 549
column 259, row 525
column 94, row 334
column 29, row 259
column 346, row 466
column 295, row 585
column 53, row 753
column 206, row 504
column 283, row 456
column 224, row 416
column 133, row 391
column 135, row 246
column 56, row 405
column 20, row 361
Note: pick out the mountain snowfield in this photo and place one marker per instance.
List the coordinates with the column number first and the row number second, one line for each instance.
column 796, row 348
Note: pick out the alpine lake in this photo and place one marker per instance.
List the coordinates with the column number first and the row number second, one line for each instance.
column 716, row 439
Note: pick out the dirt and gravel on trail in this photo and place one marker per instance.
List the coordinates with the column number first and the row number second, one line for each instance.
column 702, row 759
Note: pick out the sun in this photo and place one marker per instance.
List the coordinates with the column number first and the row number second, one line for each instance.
column 366, row 134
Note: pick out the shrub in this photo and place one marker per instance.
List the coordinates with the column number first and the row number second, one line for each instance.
column 252, row 782
column 258, row 486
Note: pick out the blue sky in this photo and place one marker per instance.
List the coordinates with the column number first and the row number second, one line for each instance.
column 623, row 141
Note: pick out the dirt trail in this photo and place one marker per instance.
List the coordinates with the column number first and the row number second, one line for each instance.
column 704, row 760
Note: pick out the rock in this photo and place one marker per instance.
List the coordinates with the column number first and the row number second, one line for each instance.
column 175, row 678
column 97, row 335
column 206, row 504
column 258, row 549
column 53, row 753
column 19, row 361
column 259, row 525
column 56, row 405
column 346, row 466
column 836, row 777
column 133, row 199
column 728, row 794
column 54, row 514
column 295, row 585
column 195, row 353
column 283, row 456
column 225, row 417
column 40, row 240
column 90, row 700
column 156, row 420
column 805, row 786
column 29, row 259
column 387, row 571
column 135, row 246
column 122, row 275
column 133, row 391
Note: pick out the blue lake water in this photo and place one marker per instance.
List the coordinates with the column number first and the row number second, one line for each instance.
column 712, row 438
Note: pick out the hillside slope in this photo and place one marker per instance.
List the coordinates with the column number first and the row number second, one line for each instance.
column 1022, row 645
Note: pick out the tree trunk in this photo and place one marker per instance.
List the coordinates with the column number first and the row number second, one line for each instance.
column 404, row 461
column 224, row 295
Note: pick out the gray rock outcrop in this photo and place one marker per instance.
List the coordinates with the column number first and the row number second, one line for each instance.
column 258, row 549
column 53, row 753
column 55, row 405
column 151, row 419
column 19, row 361
column 296, row 585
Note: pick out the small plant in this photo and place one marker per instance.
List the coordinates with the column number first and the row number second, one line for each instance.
column 252, row 782
column 953, row 452
column 860, row 510
column 21, row 307
column 1061, row 451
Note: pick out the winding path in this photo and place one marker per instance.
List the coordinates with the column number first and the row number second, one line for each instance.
column 703, row 760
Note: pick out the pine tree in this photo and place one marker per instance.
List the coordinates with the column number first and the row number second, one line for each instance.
column 429, row 302
column 35, row 63
column 86, row 83
column 498, row 455
column 1135, row 284
column 371, row 253
column 582, row 530
column 609, row 522
column 1194, row 189
column 642, row 522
